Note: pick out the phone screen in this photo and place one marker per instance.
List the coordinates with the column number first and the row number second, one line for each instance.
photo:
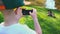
column 26, row 12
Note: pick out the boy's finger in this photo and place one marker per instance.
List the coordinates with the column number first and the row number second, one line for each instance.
column 30, row 13
column 34, row 10
column 19, row 8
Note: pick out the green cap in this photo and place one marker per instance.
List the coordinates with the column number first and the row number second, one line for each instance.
column 11, row 4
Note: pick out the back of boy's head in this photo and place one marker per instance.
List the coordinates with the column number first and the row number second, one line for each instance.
column 11, row 4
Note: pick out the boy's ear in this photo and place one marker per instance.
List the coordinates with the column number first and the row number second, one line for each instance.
column 18, row 10
column 15, row 11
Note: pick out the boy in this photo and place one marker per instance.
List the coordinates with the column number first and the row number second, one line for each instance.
column 11, row 25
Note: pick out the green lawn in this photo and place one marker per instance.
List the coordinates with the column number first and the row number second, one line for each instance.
column 48, row 24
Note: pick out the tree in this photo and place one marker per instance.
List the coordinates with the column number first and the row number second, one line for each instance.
column 1, row 17
column 57, row 2
column 37, row 2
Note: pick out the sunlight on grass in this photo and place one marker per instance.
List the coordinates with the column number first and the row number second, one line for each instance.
column 26, row 7
column 42, row 15
column 48, row 24
column 57, row 15
column 0, row 12
column 22, row 20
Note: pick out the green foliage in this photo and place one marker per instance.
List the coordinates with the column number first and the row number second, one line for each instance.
column 37, row 2
column 48, row 24
column 1, row 17
column 57, row 4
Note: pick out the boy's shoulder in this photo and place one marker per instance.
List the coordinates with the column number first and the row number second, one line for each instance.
column 1, row 23
column 25, row 29
column 1, row 26
column 20, row 28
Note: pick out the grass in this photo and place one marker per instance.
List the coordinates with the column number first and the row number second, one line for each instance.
column 48, row 24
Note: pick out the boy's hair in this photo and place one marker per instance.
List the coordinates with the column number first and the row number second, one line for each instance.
column 9, row 12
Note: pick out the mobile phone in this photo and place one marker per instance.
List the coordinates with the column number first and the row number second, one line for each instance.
column 26, row 12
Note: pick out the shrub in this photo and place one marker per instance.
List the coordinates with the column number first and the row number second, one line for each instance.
column 1, row 17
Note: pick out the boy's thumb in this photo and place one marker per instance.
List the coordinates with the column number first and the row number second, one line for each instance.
column 30, row 13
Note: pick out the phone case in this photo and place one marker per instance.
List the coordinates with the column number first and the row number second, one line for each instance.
column 26, row 12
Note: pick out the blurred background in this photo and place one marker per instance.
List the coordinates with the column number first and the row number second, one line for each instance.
column 49, row 25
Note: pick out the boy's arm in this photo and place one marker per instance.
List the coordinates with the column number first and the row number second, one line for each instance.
column 37, row 26
column 36, row 23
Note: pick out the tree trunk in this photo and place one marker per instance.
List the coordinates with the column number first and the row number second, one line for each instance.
column 57, row 2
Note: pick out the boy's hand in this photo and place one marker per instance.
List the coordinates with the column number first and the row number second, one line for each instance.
column 33, row 14
column 36, row 23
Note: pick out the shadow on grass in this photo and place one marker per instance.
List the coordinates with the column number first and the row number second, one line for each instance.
column 48, row 26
